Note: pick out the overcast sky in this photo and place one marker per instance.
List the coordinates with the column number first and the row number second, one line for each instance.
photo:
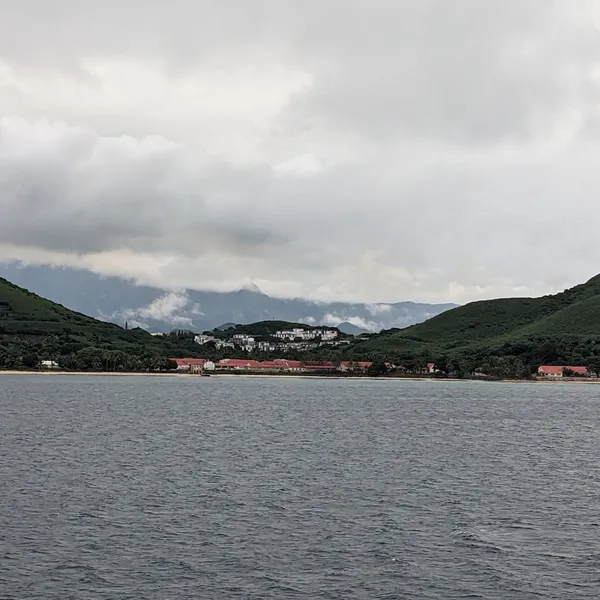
column 366, row 150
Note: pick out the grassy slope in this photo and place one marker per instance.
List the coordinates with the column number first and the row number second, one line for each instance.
column 497, row 323
column 25, row 314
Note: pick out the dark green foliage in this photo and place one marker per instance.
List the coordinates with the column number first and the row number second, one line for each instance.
column 30, row 361
column 34, row 329
column 504, row 338
column 378, row 368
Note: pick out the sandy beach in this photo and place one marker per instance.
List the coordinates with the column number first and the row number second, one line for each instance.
column 293, row 376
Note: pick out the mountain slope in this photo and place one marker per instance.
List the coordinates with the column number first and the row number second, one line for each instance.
column 350, row 329
column 120, row 301
column 22, row 312
column 562, row 326
column 36, row 327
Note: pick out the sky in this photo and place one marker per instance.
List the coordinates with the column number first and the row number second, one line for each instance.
column 368, row 151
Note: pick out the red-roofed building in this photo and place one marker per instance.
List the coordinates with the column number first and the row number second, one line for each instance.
column 270, row 366
column 318, row 366
column 236, row 364
column 290, row 365
column 355, row 366
column 193, row 365
column 555, row 372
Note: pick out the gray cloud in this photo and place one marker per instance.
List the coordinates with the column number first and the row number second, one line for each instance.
column 347, row 150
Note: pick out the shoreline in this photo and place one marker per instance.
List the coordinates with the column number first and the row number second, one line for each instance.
column 581, row 380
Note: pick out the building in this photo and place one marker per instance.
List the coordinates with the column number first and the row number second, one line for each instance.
column 49, row 364
column 270, row 366
column 203, row 339
column 296, row 333
column 236, row 364
column 328, row 335
column 355, row 366
column 242, row 338
column 194, row 365
column 266, row 347
column 313, row 366
column 557, row 372
column 244, row 341
column 294, row 366
column 224, row 344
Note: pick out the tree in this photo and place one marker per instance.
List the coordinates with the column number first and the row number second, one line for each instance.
column 30, row 361
column 377, row 368
column 594, row 366
column 170, row 364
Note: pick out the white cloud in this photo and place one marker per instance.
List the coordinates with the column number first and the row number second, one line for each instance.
column 333, row 320
column 308, row 320
column 299, row 166
column 378, row 309
column 168, row 308
column 400, row 150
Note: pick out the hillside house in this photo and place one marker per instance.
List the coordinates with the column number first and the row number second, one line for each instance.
column 266, row 347
column 244, row 341
column 296, row 333
column 328, row 335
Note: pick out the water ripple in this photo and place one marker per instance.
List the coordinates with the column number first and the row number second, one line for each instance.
column 151, row 488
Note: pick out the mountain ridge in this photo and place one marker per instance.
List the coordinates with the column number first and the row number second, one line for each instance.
column 563, row 327
column 120, row 301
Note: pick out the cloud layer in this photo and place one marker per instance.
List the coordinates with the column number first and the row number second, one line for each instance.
column 369, row 152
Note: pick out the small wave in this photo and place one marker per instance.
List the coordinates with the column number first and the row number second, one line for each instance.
column 477, row 540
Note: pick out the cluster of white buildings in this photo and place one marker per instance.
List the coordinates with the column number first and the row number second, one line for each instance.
column 297, row 338
column 325, row 335
column 204, row 339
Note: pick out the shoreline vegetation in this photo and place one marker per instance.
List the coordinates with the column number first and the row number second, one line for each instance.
column 337, row 376
column 511, row 339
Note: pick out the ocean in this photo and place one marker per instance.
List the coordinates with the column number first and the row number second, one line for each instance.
column 231, row 487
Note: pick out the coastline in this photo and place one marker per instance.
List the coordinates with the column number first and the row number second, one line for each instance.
column 197, row 376
column 581, row 380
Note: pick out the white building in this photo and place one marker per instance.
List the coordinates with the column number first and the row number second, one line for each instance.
column 224, row 344
column 49, row 364
column 244, row 341
column 243, row 338
column 266, row 347
column 203, row 339
column 297, row 332
column 328, row 335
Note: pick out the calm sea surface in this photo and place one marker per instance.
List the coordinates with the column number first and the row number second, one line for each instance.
column 175, row 488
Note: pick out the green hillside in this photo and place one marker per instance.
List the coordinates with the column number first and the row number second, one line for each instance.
column 563, row 328
column 34, row 329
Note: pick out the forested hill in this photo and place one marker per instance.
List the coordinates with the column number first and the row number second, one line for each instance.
column 33, row 329
column 561, row 328
column 266, row 328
